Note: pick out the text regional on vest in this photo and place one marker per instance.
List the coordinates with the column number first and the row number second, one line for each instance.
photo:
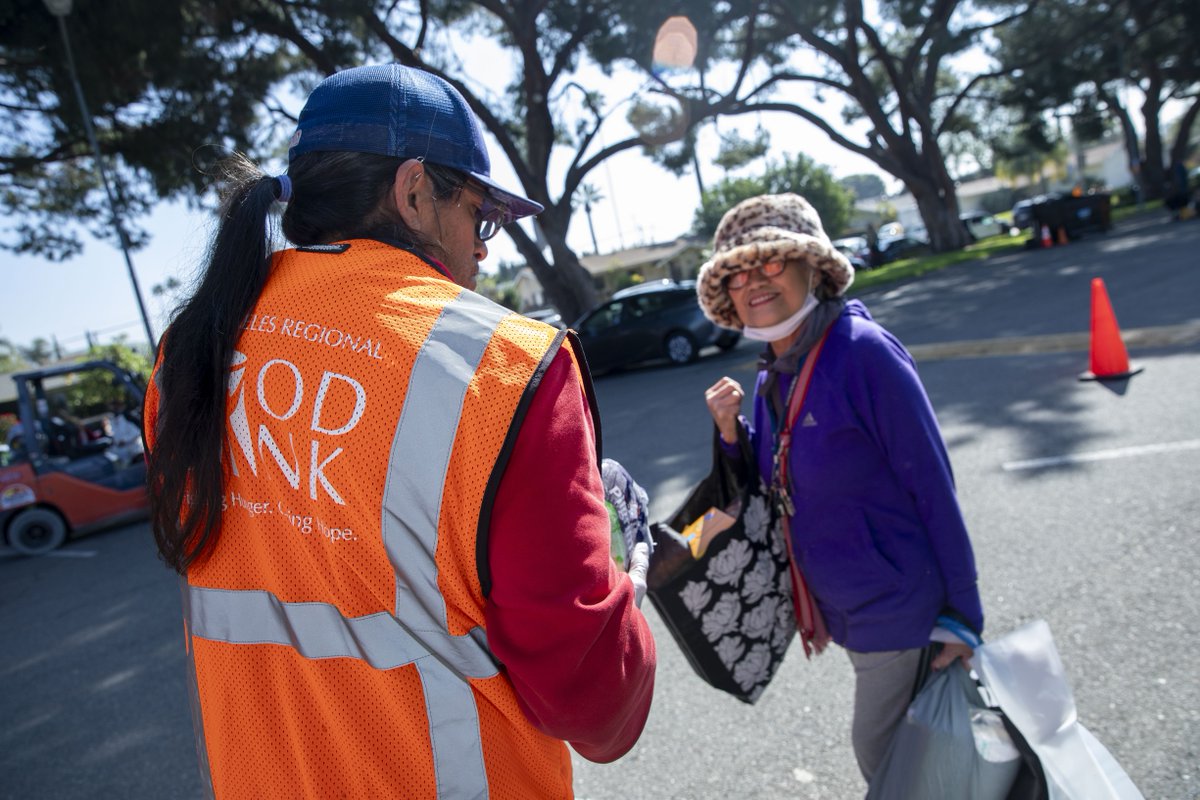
column 315, row 332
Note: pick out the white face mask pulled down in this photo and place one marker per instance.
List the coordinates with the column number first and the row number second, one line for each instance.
column 782, row 330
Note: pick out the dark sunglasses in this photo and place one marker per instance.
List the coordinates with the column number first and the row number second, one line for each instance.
column 491, row 216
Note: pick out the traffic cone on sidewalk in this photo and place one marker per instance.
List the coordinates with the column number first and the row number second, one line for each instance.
column 1062, row 236
column 1109, row 361
column 1046, row 240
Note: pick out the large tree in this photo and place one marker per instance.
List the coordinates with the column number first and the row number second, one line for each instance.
column 160, row 80
column 10, row 357
column 891, row 70
column 1074, row 56
column 894, row 73
column 39, row 352
column 798, row 174
column 192, row 73
column 865, row 186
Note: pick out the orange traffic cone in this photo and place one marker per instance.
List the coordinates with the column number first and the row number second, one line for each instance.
column 1046, row 240
column 1062, row 236
column 1109, row 361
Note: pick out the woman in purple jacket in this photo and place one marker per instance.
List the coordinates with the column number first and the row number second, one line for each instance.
column 875, row 529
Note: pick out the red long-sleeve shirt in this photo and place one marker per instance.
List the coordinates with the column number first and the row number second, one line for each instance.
column 561, row 616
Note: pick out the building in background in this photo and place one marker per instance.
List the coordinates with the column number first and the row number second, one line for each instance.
column 528, row 290
column 675, row 260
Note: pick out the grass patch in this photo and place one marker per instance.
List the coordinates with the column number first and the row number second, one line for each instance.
column 1130, row 209
column 912, row 267
column 980, row 251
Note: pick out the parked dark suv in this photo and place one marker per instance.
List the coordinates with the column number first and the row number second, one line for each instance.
column 659, row 320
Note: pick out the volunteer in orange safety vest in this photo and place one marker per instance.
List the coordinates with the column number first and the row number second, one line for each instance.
column 381, row 489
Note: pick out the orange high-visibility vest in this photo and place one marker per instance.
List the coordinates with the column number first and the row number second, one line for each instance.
column 337, row 627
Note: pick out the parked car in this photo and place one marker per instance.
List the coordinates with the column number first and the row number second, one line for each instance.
column 649, row 321
column 897, row 247
column 982, row 225
column 547, row 315
column 856, row 251
column 652, row 286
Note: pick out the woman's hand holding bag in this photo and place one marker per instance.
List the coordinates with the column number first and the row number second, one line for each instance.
column 724, row 400
column 728, row 607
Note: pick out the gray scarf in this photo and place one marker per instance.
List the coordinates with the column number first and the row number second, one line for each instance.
column 788, row 362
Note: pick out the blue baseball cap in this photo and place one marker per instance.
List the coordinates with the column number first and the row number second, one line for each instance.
column 393, row 110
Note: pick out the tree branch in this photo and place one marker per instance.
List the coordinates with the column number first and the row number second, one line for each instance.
column 939, row 17
column 577, row 173
column 598, row 117
column 933, row 59
column 280, row 26
column 856, row 21
column 16, row 165
column 1180, row 145
column 874, row 153
column 1000, row 23
column 423, row 9
column 564, row 54
column 526, row 246
column 848, row 59
column 786, row 12
column 963, row 95
column 747, row 51
column 502, row 11
column 796, row 77
column 22, row 108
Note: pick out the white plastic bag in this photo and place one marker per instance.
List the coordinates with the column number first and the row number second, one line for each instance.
column 1024, row 674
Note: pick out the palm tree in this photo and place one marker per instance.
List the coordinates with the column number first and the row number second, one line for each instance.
column 10, row 359
column 590, row 195
column 168, row 292
column 38, row 351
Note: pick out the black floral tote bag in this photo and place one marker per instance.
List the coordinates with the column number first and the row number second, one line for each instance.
column 729, row 606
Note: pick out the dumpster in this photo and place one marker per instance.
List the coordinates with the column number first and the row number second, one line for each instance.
column 1074, row 215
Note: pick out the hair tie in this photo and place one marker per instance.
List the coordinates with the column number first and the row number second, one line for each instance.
column 284, row 193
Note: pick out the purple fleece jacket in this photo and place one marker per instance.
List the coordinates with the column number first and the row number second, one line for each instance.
column 877, row 530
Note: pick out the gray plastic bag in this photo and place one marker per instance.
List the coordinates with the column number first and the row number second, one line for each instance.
column 949, row 745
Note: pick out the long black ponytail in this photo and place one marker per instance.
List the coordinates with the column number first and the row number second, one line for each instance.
column 334, row 196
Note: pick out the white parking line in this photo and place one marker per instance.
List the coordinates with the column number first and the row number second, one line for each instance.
column 8, row 553
column 1103, row 455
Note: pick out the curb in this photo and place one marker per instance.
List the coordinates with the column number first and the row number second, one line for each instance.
column 1163, row 336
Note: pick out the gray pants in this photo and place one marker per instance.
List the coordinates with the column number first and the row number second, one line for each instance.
column 883, row 687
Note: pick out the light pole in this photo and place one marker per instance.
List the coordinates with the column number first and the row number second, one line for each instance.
column 60, row 9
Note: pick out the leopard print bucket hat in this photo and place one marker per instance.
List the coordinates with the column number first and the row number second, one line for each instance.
column 767, row 228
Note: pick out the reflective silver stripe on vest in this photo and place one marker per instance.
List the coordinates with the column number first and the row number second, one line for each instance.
column 194, row 695
column 412, row 502
column 420, row 457
column 418, row 633
column 314, row 630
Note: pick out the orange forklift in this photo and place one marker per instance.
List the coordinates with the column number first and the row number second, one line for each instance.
column 74, row 459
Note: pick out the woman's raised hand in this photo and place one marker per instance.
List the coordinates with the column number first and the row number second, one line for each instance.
column 724, row 399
